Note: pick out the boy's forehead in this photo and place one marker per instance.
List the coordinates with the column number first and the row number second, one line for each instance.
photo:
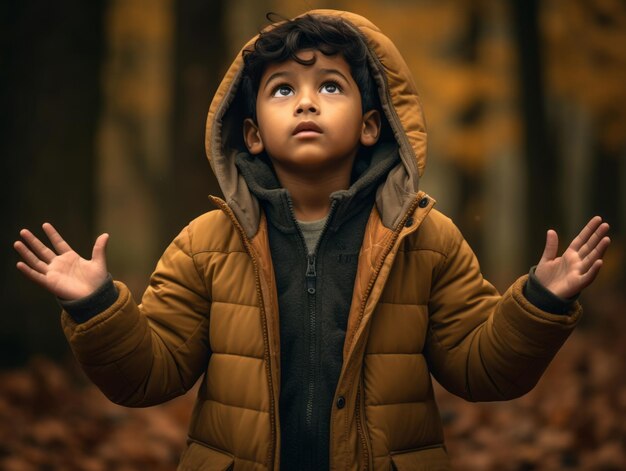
column 323, row 64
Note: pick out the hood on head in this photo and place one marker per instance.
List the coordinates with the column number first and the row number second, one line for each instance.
column 402, row 109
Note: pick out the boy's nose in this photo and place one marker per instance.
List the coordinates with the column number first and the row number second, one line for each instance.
column 310, row 107
column 306, row 104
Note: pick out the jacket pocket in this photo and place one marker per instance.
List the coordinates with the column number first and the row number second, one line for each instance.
column 199, row 457
column 433, row 458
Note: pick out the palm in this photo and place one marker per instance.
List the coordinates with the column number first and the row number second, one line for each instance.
column 568, row 274
column 561, row 273
column 69, row 275
column 62, row 272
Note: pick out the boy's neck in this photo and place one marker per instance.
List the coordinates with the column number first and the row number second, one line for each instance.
column 310, row 193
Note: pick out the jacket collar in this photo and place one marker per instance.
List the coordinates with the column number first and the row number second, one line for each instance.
column 370, row 168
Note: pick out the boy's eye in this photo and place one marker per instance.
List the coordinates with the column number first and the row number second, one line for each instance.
column 282, row 90
column 330, row 87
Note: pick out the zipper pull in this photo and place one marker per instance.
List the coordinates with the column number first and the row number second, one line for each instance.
column 310, row 274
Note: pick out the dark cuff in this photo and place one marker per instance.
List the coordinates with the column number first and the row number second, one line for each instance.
column 100, row 300
column 545, row 299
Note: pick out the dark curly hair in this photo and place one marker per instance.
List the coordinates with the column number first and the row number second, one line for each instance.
column 329, row 35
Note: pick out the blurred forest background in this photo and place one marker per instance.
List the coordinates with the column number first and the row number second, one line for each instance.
column 102, row 129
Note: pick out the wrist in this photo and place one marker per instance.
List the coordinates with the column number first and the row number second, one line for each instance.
column 86, row 307
column 555, row 285
column 545, row 299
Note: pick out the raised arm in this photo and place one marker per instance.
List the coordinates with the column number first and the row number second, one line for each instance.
column 483, row 346
column 138, row 355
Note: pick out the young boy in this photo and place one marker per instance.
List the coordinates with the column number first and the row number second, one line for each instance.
column 321, row 296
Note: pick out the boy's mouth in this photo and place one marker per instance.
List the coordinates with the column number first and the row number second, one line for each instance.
column 305, row 126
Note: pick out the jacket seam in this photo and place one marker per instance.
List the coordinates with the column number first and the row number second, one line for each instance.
column 402, row 304
column 420, row 249
column 446, row 261
column 495, row 384
column 123, row 375
column 395, row 403
column 414, row 450
column 225, row 252
column 195, row 331
column 184, row 386
column 436, row 338
column 239, row 458
column 455, row 247
column 214, row 301
column 237, row 407
column 394, row 353
column 238, row 355
column 223, row 452
column 201, row 278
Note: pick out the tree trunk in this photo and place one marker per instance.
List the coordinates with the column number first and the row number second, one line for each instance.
column 200, row 63
column 543, row 202
column 50, row 98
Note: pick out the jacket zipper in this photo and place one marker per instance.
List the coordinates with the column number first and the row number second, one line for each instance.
column 311, row 278
column 359, row 412
column 311, row 289
column 257, row 279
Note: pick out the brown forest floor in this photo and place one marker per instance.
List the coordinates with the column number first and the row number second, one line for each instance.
column 575, row 419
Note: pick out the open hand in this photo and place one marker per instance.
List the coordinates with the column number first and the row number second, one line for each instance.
column 64, row 273
column 570, row 273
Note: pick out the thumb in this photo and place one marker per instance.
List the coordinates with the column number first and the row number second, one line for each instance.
column 552, row 246
column 99, row 249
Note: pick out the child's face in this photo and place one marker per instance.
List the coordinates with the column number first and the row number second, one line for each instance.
column 309, row 117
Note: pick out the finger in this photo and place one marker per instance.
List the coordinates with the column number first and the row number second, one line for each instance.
column 32, row 261
column 552, row 246
column 596, row 254
column 55, row 238
column 588, row 277
column 585, row 233
column 31, row 274
column 594, row 240
column 38, row 247
column 99, row 249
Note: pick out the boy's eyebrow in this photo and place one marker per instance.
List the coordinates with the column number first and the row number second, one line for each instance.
column 334, row 71
column 275, row 75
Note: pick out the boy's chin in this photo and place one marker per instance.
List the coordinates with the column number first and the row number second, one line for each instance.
column 309, row 165
column 312, row 162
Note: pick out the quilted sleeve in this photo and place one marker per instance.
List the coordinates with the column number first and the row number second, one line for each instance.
column 483, row 346
column 140, row 355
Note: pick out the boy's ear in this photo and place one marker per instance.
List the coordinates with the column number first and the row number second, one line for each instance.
column 370, row 132
column 252, row 137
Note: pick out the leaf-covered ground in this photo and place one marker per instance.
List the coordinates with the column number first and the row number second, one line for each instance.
column 51, row 418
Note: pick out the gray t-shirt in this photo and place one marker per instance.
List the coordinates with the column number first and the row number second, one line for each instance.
column 311, row 230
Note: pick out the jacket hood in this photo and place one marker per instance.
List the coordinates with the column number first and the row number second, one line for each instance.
column 401, row 106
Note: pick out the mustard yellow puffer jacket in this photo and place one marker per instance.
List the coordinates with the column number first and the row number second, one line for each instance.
column 420, row 307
